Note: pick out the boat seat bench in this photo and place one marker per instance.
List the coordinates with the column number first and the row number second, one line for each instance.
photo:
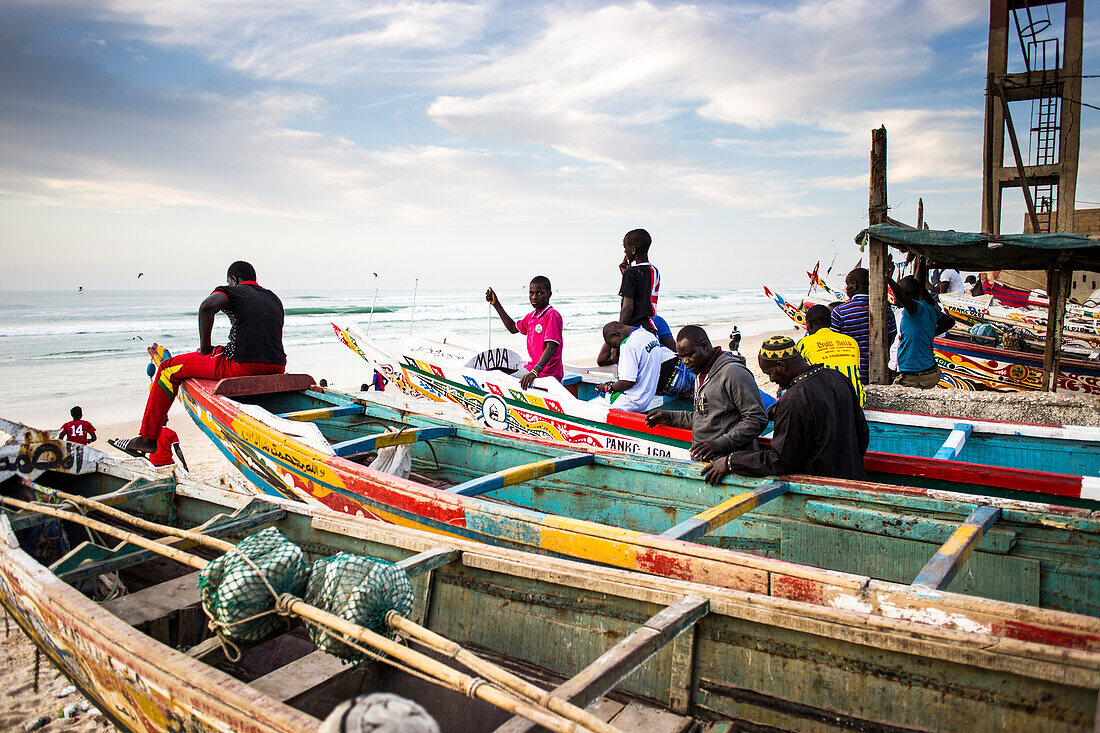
column 942, row 568
column 358, row 446
column 323, row 413
column 618, row 662
column 519, row 474
column 139, row 488
column 707, row 521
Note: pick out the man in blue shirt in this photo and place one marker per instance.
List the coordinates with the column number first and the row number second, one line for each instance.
column 916, row 330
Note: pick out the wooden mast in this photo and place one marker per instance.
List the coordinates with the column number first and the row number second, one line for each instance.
column 878, row 343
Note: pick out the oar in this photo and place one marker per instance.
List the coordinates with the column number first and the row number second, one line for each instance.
column 444, row 674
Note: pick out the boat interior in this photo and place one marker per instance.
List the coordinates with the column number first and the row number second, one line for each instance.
column 887, row 533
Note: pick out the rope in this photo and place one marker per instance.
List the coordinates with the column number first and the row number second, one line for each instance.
column 287, row 604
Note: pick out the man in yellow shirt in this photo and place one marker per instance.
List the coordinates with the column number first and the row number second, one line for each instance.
column 835, row 350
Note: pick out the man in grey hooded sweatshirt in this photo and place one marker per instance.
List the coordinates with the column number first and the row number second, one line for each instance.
column 728, row 414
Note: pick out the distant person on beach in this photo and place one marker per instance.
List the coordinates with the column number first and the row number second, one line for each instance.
column 640, row 359
column 78, row 430
column 378, row 381
column 255, row 346
column 973, row 285
column 822, row 345
column 728, row 414
column 920, row 322
column 820, row 428
column 641, row 283
column 543, row 327
column 850, row 317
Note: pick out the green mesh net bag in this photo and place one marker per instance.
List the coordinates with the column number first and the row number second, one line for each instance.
column 232, row 591
column 359, row 589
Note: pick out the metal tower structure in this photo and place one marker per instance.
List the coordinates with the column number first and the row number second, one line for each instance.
column 1051, row 80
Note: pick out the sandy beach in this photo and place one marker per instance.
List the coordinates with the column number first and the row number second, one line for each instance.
column 20, row 704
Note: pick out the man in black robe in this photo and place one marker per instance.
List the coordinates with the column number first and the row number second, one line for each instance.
column 820, row 429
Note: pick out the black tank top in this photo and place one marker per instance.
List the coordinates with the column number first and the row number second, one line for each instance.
column 256, row 317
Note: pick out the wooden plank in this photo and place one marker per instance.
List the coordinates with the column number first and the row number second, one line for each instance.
column 156, row 601
column 1058, row 285
column 639, row 717
column 140, row 488
column 902, row 526
column 368, row 443
column 941, row 569
column 617, row 663
column 429, row 560
column 680, row 674
column 519, row 474
column 955, row 442
column 720, row 514
column 263, row 384
column 323, row 413
column 87, row 560
column 987, row 576
column 301, row 676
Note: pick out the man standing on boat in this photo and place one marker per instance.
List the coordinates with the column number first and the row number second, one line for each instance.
column 850, row 317
column 255, row 346
column 728, row 414
column 820, row 428
column 919, row 325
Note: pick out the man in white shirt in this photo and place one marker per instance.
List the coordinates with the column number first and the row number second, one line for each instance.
column 640, row 358
column 951, row 282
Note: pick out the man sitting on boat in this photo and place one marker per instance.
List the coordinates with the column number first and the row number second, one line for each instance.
column 728, row 414
column 543, row 327
column 255, row 346
column 822, row 345
column 640, row 359
column 820, row 428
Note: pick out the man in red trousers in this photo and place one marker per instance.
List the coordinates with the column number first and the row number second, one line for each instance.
column 255, row 346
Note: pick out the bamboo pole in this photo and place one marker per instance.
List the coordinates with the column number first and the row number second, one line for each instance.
column 450, row 677
column 545, row 698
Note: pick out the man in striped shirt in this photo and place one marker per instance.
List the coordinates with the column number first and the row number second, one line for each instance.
column 850, row 317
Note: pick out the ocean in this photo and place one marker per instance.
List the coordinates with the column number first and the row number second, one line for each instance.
column 59, row 349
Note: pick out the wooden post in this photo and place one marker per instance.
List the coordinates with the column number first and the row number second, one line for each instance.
column 878, row 346
column 1058, row 285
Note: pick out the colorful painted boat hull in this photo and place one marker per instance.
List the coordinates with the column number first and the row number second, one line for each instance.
column 971, row 366
column 633, row 500
column 842, row 668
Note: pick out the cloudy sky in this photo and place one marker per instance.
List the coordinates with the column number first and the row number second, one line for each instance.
column 468, row 142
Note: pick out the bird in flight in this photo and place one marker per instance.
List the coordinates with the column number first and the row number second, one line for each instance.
column 140, row 274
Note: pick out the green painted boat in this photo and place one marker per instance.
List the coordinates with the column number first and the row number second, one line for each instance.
column 824, row 541
column 642, row 652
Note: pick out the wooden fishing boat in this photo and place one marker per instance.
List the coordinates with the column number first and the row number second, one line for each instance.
column 762, row 535
column 1079, row 332
column 1052, row 460
column 969, row 365
column 642, row 652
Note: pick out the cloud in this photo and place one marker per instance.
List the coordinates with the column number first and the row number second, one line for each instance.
column 318, row 41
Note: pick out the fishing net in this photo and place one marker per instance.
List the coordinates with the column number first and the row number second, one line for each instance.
column 984, row 329
column 239, row 601
column 359, row 589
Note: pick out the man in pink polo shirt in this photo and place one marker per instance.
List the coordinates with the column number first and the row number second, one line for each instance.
column 543, row 327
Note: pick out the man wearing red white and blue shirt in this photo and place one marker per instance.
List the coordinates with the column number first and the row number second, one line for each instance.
column 850, row 317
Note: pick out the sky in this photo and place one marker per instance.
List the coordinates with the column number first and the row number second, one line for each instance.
column 461, row 144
